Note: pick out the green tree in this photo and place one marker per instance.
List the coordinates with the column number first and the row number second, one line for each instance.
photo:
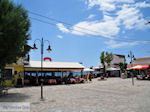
column 109, row 58
column 122, row 66
column 14, row 32
column 106, row 58
column 102, row 59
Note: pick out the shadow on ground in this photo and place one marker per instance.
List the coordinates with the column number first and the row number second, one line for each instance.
column 14, row 97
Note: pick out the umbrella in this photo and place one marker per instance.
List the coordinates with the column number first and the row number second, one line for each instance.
column 140, row 67
column 112, row 69
column 88, row 70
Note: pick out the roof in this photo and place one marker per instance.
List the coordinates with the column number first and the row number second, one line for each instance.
column 37, row 64
column 142, row 58
column 112, row 69
column 88, row 70
column 119, row 55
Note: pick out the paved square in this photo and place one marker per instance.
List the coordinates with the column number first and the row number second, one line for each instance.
column 112, row 95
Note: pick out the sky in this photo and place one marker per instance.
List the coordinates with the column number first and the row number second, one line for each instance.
column 79, row 30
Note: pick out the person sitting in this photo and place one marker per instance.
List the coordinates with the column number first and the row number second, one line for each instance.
column 102, row 77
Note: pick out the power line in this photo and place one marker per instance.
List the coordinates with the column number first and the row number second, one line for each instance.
column 59, row 21
column 78, row 30
column 60, row 26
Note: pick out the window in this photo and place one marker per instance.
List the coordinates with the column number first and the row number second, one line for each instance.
column 8, row 74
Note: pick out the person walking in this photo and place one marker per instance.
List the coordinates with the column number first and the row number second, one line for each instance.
column 90, row 77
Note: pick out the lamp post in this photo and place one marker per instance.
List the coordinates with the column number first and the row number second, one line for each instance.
column 42, row 51
column 131, row 56
column 147, row 23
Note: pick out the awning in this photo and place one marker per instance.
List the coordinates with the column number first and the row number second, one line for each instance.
column 88, row 70
column 112, row 69
column 139, row 67
column 53, row 66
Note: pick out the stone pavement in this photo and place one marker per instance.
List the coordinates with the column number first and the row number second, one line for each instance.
column 112, row 95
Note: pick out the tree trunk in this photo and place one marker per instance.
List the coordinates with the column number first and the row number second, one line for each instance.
column 104, row 69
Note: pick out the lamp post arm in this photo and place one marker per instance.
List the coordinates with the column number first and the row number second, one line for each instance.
column 37, row 40
column 47, row 41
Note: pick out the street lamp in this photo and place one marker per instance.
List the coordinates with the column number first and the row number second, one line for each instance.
column 147, row 23
column 131, row 56
column 42, row 51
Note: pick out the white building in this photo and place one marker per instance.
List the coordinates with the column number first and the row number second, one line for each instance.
column 142, row 61
column 117, row 58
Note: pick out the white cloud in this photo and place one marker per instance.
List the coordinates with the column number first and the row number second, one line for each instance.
column 107, row 28
column 126, row 15
column 114, row 44
column 142, row 4
column 91, row 16
column 131, row 17
column 59, row 36
column 128, row 11
column 96, row 28
column 62, row 28
column 107, row 5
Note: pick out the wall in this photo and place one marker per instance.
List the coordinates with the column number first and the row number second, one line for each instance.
column 18, row 68
column 142, row 62
column 117, row 60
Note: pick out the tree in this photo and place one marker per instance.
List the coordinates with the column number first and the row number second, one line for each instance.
column 14, row 32
column 106, row 58
column 122, row 66
column 102, row 58
column 109, row 58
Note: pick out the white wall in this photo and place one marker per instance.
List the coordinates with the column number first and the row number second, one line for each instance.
column 141, row 61
column 117, row 59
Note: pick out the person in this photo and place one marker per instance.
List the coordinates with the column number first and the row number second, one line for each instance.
column 36, row 80
column 90, row 77
column 102, row 77
column 19, row 81
column 87, row 77
column 107, row 74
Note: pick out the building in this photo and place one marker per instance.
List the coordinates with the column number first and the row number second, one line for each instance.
column 141, row 61
column 30, row 68
column 117, row 58
column 35, row 66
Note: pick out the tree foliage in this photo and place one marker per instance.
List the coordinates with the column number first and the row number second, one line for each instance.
column 105, row 58
column 109, row 58
column 102, row 59
column 122, row 66
column 14, row 32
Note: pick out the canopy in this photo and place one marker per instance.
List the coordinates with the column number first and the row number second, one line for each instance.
column 88, row 70
column 112, row 69
column 53, row 66
column 139, row 67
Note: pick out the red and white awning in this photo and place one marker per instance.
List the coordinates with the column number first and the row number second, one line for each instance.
column 139, row 67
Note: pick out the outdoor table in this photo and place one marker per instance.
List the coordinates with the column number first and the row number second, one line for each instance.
column 52, row 81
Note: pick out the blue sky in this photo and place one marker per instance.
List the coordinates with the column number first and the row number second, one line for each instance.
column 116, row 26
